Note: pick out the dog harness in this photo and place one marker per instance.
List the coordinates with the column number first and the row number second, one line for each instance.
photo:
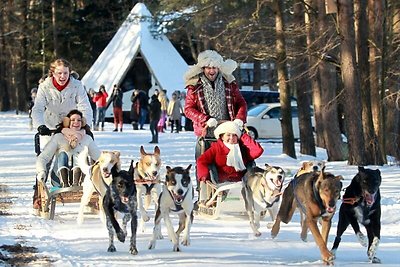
column 178, row 207
column 317, row 198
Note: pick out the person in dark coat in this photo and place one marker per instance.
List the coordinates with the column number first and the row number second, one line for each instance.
column 155, row 115
column 135, row 109
column 116, row 99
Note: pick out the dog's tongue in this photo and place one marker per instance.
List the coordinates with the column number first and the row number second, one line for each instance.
column 330, row 209
column 125, row 200
column 369, row 198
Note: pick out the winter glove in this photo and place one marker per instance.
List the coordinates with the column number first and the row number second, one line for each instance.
column 239, row 123
column 212, row 122
column 43, row 130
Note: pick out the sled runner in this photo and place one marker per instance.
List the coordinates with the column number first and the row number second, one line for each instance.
column 45, row 198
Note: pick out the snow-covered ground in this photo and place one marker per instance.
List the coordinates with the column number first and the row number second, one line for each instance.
column 226, row 241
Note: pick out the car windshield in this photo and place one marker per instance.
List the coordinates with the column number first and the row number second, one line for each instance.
column 256, row 110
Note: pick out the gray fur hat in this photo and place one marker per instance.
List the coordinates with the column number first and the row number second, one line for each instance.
column 210, row 58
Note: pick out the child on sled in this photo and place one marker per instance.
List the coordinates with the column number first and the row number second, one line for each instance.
column 227, row 158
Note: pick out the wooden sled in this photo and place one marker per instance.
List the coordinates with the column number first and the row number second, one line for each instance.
column 49, row 199
column 224, row 198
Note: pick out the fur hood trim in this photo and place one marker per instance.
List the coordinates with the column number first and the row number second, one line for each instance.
column 210, row 58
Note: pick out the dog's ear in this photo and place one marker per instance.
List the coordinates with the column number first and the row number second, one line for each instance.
column 304, row 165
column 142, row 152
column 117, row 154
column 188, row 168
column 169, row 169
column 157, row 151
column 266, row 165
column 66, row 122
column 131, row 169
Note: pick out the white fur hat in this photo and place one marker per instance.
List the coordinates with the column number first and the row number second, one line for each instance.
column 227, row 127
column 210, row 58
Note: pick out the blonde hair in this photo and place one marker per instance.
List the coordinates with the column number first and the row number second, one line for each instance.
column 59, row 62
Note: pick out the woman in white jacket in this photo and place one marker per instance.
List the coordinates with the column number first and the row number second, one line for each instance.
column 59, row 93
column 68, row 141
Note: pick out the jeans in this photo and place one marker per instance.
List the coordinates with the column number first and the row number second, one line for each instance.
column 143, row 116
column 60, row 161
column 102, row 113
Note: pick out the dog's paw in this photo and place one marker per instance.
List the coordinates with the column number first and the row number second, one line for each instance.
column 270, row 225
column 257, row 234
column 111, row 248
column 372, row 249
column 152, row 245
column 375, row 260
column 133, row 250
column 145, row 217
column 121, row 236
column 333, row 252
column 176, row 248
column 328, row 258
column 186, row 242
column 361, row 238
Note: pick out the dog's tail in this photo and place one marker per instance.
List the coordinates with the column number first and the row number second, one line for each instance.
column 287, row 203
column 83, row 161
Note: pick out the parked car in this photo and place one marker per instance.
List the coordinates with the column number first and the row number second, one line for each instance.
column 264, row 121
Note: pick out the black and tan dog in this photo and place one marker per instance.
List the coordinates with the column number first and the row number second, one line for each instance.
column 176, row 197
column 262, row 192
column 121, row 197
column 316, row 195
column 362, row 204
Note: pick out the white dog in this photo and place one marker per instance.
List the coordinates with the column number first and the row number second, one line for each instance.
column 176, row 197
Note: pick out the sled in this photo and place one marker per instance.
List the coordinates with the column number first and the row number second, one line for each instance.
column 224, row 199
column 48, row 197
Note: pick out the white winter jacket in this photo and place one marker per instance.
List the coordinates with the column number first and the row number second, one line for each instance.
column 59, row 143
column 51, row 105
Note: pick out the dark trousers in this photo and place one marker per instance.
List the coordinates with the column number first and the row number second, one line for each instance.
column 153, row 130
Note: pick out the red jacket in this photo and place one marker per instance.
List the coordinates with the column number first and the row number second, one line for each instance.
column 217, row 155
column 100, row 99
column 195, row 102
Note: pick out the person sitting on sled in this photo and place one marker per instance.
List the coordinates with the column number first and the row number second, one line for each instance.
column 69, row 140
column 227, row 158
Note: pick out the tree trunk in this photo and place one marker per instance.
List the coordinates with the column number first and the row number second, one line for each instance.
column 284, row 88
column 329, row 105
column 372, row 148
column 54, row 27
column 375, row 13
column 311, row 28
column 352, row 108
column 307, row 143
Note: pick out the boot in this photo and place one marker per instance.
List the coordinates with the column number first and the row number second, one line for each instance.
column 64, row 177
column 76, row 177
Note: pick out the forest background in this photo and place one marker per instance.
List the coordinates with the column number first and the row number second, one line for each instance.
column 338, row 56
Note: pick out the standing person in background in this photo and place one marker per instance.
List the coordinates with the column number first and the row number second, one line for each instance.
column 174, row 112
column 116, row 98
column 154, row 115
column 58, row 94
column 144, row 103
column 162, row 97
column 135, row 109
column 101, row 105
column 212, row 96
column 91, row 95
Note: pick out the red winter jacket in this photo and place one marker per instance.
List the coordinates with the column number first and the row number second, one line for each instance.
column 100, row 99
column 217, row 155
column 195, row 102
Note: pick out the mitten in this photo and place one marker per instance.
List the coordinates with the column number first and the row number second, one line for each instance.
column 212, row 122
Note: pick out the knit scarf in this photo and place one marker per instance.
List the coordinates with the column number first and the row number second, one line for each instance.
column 234, row 158
column 215, row 99
column 73, row 137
